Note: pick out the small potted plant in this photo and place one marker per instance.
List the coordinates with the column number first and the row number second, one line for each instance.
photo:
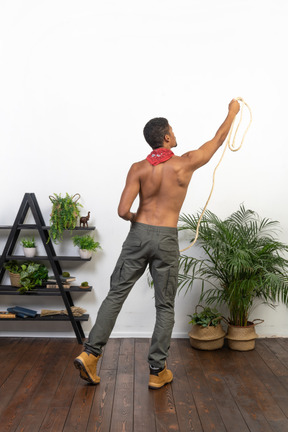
column 30, row 275
column 85, row 285
column 29, row 247
column 86, row 244
column 207, row 332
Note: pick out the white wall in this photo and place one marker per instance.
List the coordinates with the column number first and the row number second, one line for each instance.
column 78, row 82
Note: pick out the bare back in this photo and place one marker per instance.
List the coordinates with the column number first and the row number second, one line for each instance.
column 162, row 190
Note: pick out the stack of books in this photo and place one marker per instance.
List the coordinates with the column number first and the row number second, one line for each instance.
column 21, row 312
column 66, row 281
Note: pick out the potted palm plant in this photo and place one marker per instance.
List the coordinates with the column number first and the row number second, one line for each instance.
column 86, row 244
column 243, row 261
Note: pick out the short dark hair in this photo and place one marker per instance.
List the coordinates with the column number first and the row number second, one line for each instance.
column 155, row 131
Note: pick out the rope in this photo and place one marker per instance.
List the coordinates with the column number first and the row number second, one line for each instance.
column 232, row 148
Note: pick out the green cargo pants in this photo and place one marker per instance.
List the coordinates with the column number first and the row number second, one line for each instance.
column 145, row 245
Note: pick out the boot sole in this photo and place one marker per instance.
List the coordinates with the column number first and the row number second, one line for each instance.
column 156, row 387
column 83, row 373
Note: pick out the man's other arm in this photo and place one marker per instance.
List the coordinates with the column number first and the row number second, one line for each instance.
column 201, row 156
column 129, row 194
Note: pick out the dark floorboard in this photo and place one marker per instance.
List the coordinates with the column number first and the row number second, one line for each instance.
column 223, row 390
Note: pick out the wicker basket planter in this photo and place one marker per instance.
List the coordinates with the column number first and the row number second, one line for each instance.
column 207, row 338
column 242, row 338
column 15, row 279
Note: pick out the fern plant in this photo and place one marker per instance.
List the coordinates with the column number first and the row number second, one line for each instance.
column 64, row 215
column 86, row 242
column 244, row 261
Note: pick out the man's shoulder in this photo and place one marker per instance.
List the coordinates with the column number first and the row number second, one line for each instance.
column 139, row 164
column 136, row 167
column 179, row 160
column 191, row 158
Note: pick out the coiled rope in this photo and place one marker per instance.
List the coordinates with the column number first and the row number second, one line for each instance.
column 232, row 148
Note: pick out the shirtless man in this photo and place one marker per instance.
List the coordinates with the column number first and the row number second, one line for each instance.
column 161, row 180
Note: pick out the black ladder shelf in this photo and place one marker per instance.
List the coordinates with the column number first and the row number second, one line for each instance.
column 30, row 201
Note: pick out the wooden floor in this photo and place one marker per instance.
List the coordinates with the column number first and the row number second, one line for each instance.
column 224, row 390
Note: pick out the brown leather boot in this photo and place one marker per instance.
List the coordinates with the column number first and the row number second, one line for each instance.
column 159, row 379
column 87, row 365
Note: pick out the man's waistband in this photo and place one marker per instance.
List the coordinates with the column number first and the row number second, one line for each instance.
column 154, row 228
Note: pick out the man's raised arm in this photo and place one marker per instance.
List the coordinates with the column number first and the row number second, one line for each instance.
column 201, row 156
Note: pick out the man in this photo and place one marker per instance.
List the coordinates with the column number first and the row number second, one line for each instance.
column 161, row 180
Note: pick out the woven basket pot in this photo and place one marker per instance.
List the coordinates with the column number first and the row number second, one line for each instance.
column 207, row 338
column 15, row 279
column 242, row 338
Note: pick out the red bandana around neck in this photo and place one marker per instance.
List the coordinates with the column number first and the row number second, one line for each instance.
column 159, row 155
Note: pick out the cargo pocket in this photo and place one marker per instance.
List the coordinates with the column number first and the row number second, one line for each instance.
column 170, row 250
column 116, row 275
column 165, row 288
column 130, row 244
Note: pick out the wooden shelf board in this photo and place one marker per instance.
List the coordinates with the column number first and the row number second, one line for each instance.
column 44, row 227
column 11, row 290
column 65, row 318
column 45, row 258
